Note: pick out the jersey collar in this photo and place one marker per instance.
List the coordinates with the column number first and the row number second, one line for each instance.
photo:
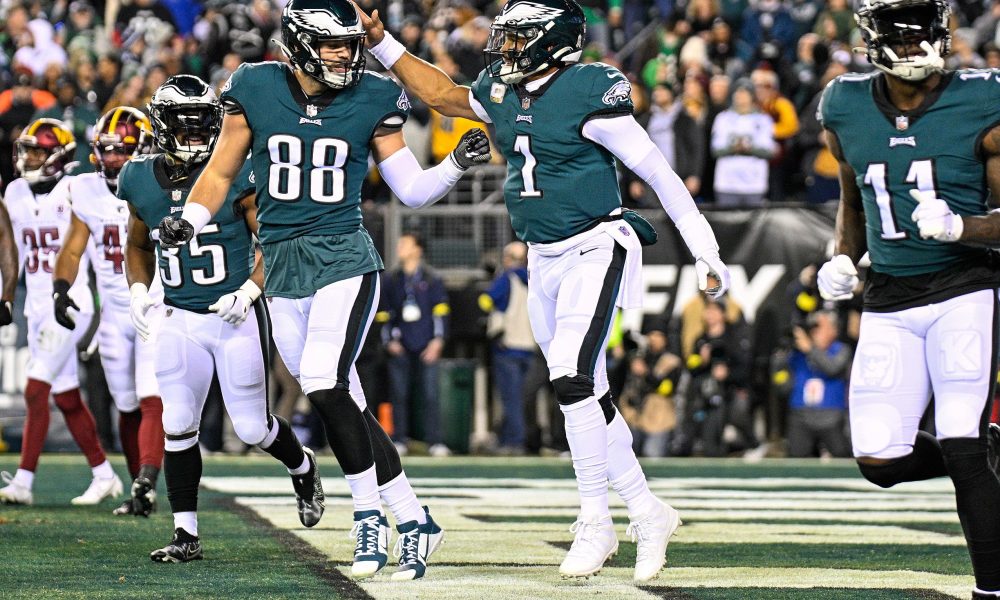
column 887, row 108
column 523, row 93
column 320, row 102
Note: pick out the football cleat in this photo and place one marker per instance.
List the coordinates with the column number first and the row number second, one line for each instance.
column 14, row 492
column 183, row 547
column 414, row 546
column 594, row 544
column 99, row 489
column 309, row 492
column 143, row 500
column 371, row 550
column 993, row 448
column 651, row 532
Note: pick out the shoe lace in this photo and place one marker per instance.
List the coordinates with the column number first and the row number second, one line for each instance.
column 584, row 531
column 6, row 477
column 406, row 547
column 366, row 532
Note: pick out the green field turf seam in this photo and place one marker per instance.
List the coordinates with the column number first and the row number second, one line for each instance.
column 319, row 564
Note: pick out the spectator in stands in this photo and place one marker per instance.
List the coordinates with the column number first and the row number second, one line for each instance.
column 149, row 19
column 660, row 52
column 812, row 56
column 818, row 370
column 415, row 319
column 840, row 17
column 679, row 137
column 986, row 25
column 702, row 14
column 786, row 125
column 694, row 96
column 722, row 49
column 17, row 105
column 506, row 302
column 14, row 29
column 963, row 51
column 38, row 49
column 647, row 402
column 78, row 115
column 991, row 54
column 109, row 67
column 718, row 101
column 704, row 420
column 81, row 35
column 742, row 143
column 820, row 168
column 767, row 30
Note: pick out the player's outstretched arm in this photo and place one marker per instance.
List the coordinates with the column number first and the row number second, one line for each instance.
column 209, row 192
column 414, row 186
column 838, row 277
column 422, row 79
column 628, row 141
column 234, row 307
column 8, row 266
column 67, row 268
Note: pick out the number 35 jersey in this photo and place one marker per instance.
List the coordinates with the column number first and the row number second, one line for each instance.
column 40, row 223
column 219, row 259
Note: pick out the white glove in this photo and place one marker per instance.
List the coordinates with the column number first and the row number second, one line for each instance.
column 837, row 278
column 138, row 306
column 935, row 218
column 711, row 264
column 233, row 308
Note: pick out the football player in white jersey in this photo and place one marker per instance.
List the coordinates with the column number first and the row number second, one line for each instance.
column 99, row 220
column 40, row 222
column 8, row 267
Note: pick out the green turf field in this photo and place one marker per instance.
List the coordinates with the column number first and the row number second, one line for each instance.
column 767, row 530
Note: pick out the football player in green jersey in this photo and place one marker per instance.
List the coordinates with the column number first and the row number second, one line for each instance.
column 310, row 130
column 214, row 322
column 915, row 145
column 560, row 125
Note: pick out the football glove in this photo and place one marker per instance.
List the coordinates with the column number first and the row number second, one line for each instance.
column 935, row 218
column 233, row 308
column 138, row 308
column 174, row 232
column 6, row 312
column 837, row 278
column 63, row 302
column 711, row 264
column 472, row 149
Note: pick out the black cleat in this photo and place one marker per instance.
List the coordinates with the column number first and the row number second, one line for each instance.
column 143, row 500
column 183, row 548
column 309, row 492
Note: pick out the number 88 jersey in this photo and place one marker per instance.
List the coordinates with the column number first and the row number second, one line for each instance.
column 219, row 259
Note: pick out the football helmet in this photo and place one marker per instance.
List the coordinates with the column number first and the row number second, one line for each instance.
column 186, row 116
column 44, row 151
column 530, row 36
column 120, row 134
column 906, row 38
column 305, row 24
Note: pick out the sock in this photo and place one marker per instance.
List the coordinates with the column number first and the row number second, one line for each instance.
column 188, row 521
column 364, row 490
column 282, row 444
column 587, row 434
column 402, row 502
column 24, row 478
column 81, row 425
column 103, row 470
column 387, row 463
column 925, row 462
column 151, row 432
column 977, row 496
column 346, row 429
column 182, row 472
column 624, row 471
column 36, row 423
column 128, row 432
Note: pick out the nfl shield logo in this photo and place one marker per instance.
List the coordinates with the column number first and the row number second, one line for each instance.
column 311, row 110
column 526, row 103
column 176, row 195
column 902, row 123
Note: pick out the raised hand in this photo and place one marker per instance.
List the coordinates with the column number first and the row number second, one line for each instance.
column 372, row 24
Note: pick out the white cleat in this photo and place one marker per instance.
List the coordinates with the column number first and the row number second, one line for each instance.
column 14, row 492
column 594, row 544
column 100, row 488
column 652, row 531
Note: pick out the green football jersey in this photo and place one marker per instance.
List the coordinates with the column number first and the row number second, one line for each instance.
column 219, row 259
column 934, row 148
column 310, row 154
column 558, row 182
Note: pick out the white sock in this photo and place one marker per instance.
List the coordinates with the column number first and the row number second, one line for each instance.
column 402, row 502
column 979, row 591
column 364, row 489
column 624, row 470
column 103, row 470
column 587, row 434
column 303, row 468
column 188, row 521
column 24, row 478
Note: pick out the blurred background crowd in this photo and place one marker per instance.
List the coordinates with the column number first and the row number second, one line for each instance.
column 727, row 89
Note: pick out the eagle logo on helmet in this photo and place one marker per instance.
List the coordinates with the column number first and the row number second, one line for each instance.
column 43, row 152
column 532, row 36
column 306, row 24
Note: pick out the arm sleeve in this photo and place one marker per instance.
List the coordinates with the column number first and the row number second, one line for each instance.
column 414, row 186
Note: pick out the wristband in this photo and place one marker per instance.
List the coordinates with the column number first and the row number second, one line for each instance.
column 251, row 289
column 388, row 51
column 138, row 289
column 197, row 215
column 60, row 286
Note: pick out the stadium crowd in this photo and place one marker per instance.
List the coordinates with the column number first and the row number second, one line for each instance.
column 727, row 89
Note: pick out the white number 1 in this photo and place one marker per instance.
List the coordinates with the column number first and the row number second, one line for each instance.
column 523, row 145
column 920, row 175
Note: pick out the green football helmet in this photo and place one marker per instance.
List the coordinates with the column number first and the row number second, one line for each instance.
column 530, row 36
column 307, row 23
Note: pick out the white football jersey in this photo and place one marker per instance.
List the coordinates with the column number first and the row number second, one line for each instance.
column 40, row 223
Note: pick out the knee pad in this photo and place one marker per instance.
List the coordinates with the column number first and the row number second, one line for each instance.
column 570, row 390
column 179, row 419
column 608, row 406
column 180, row 442
column 250, row 431
column 874, row 430
column 885, row 475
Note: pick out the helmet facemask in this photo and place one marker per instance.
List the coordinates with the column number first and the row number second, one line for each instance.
column 907, row 39
column 113, row 147
column 528, row 38
column 187, row 132
column 303, row 31
column 43, row 157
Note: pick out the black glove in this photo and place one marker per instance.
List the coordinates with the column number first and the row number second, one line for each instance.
column 175, row 232
column 472, row 149
column 63, row 302
column 6, row 312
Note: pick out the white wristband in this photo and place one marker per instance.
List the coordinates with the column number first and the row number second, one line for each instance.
column 251, row 289
column 697, row 234
column 388, row 50
column 197, row 215
column 138, row 289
